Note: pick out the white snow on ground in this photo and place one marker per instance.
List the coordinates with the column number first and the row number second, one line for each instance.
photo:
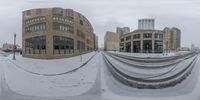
column 70, row 84
column 55, row 66
column 2, row 64
column 144, row 73
column 81, row 81
column 2, row 53
column 114, row 90
column 150, row 54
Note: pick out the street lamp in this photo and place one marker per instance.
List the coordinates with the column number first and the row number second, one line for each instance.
column 147, row 50
column 14, row 46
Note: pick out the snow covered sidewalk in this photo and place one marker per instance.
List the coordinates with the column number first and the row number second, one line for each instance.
column 50, row 67
column 70, row 84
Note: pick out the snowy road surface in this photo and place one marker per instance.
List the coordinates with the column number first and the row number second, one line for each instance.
column 91, row 82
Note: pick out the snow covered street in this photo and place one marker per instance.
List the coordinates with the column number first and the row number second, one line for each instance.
column 115, row 90
column 25, row 79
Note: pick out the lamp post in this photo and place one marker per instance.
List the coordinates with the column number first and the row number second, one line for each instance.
column 14, row 47
column 147, row 50
column 80, row 53
column 81, row 57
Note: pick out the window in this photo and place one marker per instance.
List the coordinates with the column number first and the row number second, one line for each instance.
column 63, row 27
column 63, row 45
column 80, row 46
column 128, row 38
column 28, row 12
column 159, row 36
column 36, row 45
column 147, row 35
column 35, row 19
column 80, row 34
column 158, row 46
column 57, row 11
column 36, row 27
column 69, row 12
column 136, row 36
column 122, row 40
column 81, row 22
column 38, row 11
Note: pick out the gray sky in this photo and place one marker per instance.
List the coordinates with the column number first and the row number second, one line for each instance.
column 106, row 15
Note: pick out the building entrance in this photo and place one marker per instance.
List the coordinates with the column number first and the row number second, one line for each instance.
column 158, row 46
column 128, row 47
column 147, row 46
column 136, row 46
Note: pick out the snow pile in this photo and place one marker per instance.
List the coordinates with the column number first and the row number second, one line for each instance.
column 69, row 84
column 150, row 54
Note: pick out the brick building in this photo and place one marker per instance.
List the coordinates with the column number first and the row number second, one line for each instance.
column 50, row 33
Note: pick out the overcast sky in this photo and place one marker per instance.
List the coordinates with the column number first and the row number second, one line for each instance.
column 106, row 15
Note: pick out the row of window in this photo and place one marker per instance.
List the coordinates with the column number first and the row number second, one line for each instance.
column 83, row 19
column 60, row 18
column 57, row 11
column 60, row 11
column 63, row 27
column 136, row 36
column 128, row 38
column 56, row 26
column 145, row 35
column 36, row 45
column 38, row 11
column 147, row 46
column 35, row 19
column 63, row 45
column 80, row 34
column 36, row 27
column 80, row 45
column 159, row 36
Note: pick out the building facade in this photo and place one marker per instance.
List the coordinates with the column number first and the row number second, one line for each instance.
column 122, row 31
column 96, row 43
column 50, row 33
column 147, row 23
column 111, row 41
column 142, row 41
column 148, row 40
column 172, row 41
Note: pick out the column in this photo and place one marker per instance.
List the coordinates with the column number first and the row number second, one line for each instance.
column 153, row 42
column 124, row 46
column 141, row 46
column 131, row 43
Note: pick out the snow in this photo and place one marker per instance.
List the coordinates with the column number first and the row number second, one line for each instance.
column 152, row 55
column 50, row 67
column 2, row 53
column 141, row 72
column 25, row 80
column 114, row 90
column 70, row 84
